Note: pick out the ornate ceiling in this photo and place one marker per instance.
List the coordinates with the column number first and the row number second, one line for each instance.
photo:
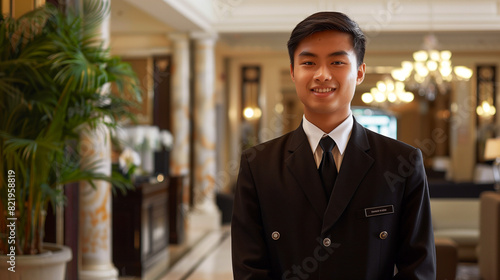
column 459, row 24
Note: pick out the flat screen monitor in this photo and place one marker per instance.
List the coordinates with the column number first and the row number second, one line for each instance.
column 377, row 120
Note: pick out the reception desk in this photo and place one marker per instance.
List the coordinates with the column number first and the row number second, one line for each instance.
column 140, row 229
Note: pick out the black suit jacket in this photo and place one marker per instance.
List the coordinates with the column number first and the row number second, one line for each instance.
column 378, row 216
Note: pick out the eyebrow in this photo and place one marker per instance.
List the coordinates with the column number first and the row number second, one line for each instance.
column 337, row 53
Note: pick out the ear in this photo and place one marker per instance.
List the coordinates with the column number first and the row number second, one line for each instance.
column 291, row 73
column 361, row 74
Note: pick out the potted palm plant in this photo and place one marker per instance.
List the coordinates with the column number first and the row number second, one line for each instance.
column 52, row 71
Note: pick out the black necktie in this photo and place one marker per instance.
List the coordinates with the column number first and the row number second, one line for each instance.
column 327, row 168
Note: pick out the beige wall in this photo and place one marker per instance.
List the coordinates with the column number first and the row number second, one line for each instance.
column 271, row 125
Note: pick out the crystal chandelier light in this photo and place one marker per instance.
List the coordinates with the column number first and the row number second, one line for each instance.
column 387, row 92
column 431, row 71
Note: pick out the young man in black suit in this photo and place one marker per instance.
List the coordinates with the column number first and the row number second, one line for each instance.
column 305, row 210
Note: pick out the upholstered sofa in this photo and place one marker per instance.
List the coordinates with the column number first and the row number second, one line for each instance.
column 489, row 242
column 455, row 209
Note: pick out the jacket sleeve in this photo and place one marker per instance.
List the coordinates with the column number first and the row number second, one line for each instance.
column 249, row 251
column 416, row 258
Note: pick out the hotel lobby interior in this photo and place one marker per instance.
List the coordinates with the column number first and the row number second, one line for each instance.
column 215, row 80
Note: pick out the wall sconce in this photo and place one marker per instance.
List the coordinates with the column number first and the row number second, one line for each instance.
column 252, row 113
column 250, row 110
column 250, row 92
column 486, row 92
column 492, row 152
column 485, row 109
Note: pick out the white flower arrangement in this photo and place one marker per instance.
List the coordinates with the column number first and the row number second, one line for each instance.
column 128, row 160
column 145, row 140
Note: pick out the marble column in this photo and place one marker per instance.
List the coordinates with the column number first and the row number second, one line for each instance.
column 95, row 225
column 205, row 132
column 95, row 212
column 179, row 156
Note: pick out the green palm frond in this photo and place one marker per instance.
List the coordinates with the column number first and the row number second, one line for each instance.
column 94, row 13
column 53, row 68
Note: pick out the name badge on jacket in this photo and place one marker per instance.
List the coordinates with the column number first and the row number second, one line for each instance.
column 379, row 210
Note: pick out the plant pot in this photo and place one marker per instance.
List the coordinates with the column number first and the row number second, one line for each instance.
column 49, row 265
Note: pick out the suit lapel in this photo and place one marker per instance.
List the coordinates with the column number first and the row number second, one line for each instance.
column 355, row 165
column 302, row 167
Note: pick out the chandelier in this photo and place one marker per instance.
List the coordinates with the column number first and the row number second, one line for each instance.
column 387, row 92
column 431, row 71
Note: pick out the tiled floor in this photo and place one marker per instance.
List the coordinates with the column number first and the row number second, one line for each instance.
column 468, row 271
column 210, row 259
column 207, row 256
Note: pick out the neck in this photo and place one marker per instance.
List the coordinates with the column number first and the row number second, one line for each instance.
column 326, row 122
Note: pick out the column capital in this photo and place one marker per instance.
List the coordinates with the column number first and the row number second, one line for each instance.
column 204, row 37
column 178, row 38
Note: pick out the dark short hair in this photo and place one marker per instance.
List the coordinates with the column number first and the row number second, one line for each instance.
column 324, row 21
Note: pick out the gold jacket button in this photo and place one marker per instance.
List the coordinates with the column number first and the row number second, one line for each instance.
column 383, row 235
column 275, row 235
column 327, row 242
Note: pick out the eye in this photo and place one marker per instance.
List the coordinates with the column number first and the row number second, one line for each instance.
column 307, row 63
column 338, row 63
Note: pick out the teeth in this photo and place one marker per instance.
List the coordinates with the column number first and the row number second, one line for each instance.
column 321, row 90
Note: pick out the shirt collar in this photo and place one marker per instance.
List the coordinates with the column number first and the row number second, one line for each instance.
column 340, row 134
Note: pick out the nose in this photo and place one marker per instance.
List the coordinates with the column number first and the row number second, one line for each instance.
column 323, row 74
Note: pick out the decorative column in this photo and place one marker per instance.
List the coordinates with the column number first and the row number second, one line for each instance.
column 206, row 212
column 95, row 204
column 179, row 157
column 462, row 132
column 181, row 131
column 95, row 211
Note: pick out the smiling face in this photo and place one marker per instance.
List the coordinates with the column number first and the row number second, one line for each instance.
column 326, row 74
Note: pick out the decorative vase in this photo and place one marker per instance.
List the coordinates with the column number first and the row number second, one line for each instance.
column 49, row 265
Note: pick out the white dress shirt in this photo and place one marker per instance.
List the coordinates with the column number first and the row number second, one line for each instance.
column 340, row 135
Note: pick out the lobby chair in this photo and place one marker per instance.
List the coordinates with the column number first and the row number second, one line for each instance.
column 446, row 259
column 489, row 241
